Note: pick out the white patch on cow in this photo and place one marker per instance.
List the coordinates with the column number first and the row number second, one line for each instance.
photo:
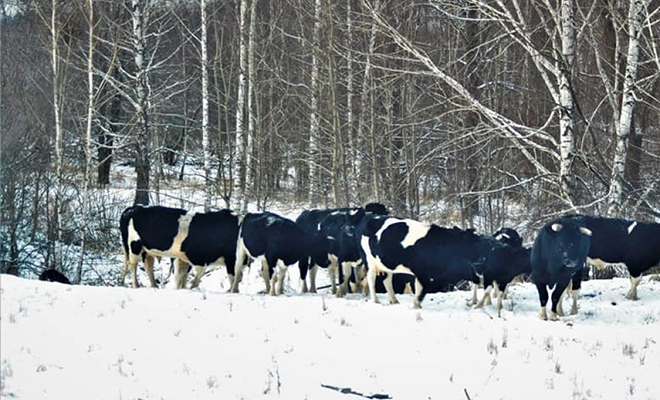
column 556, row 227
column 502, row 235
column 585, row 231
column 353, row 212
column 270, row 220
column 416, row 230
column 631, row 227
column 402, row 269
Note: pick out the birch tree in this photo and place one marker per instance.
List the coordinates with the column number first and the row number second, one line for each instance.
column 57, row 110
column 88, row 136
column 206, row 147
column 636, row 11
column 140, row 14
column 314, row 129
column 240, row 147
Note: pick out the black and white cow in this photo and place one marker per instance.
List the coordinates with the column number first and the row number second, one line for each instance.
column 53, row 275
column 635, row 244
column 192, row 238
column 280, row 242
column 559, row 251
column 507, row 259
column 340, row 224
column 438, row 257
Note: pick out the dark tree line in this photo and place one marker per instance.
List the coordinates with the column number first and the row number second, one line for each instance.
column 473, row 112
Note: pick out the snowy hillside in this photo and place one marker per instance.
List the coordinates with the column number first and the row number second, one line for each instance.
column 80, row 342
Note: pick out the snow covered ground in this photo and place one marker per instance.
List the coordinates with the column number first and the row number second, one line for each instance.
column 94, row 343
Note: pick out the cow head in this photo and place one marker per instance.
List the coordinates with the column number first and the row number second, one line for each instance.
column 570, row 240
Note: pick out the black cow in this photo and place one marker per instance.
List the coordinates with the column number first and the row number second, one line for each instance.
column 198, row 239
column 507, row 259
column 635, row 244
column 559, row 251
column 280, row 242
column 504, row 262
column 438, row 257
column 338, row 223
column 52, row 275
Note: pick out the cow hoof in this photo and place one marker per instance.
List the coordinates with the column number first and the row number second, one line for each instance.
column 553, row 316
column 478, row 305
column 417, row 306
column 394, row 301
column 574, row 311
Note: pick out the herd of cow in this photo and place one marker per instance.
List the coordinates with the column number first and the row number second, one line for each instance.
column 393, row 252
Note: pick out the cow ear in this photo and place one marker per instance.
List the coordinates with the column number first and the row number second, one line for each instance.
column 585, row 231
column 557, row 227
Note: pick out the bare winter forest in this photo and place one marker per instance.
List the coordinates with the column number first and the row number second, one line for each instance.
column 477, row 113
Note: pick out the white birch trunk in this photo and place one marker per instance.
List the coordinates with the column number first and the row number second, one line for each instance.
column 623, row 125
column 143, row 166
column 206, row 147
column 566, row 121
column 314, row 178
column 58, row 133
column 250, row 172
column 364, row 107
column 239, row 148
column 88, row 138
column 354, row 186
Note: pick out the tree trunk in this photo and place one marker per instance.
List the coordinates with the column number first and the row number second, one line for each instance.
column 57, row 103
column 624, row 124
column 251, row 137
column 206, row 147
column 240, row 144
column 88, row 139
column 313, row 154
column 142, row 156
column 566, row 121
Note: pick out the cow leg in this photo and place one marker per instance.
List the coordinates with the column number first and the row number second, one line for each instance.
column 199, row 273
column 149, row 267
column 265, row 274
column 486, row 298
column 390, row 288
column 124, row 270
column 634, row 282
column 420, row 292
column 332, row 271
column 557, row 297
column 371, row 281
column 359, row 272
column 312, row 278
column 543, row 298
column 133, row 260
column 303, row 267
column 180, row 273
column 281, row 271
column 346, row 269
column 241, row 255
column 474, row 300
column 500, row 296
